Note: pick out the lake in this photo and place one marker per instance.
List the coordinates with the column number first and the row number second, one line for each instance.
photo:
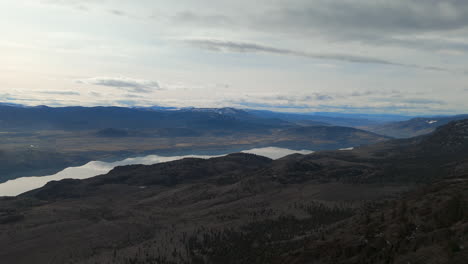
column 94, row 168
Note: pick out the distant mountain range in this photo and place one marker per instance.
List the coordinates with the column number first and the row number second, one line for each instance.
column 16, row 117
column 338, row 119
column 326, row 207
column 85, row 118
column 21, row 118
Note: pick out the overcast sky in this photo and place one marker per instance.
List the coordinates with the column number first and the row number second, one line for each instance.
column 392, row 56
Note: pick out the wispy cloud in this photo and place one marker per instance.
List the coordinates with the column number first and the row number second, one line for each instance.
column 82, row 5
column 60, row 92
column 246, row 47
column 129, row 84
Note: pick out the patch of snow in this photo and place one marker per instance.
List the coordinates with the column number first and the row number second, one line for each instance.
column 351, row 148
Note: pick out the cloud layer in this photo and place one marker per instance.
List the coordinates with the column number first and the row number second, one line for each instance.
column 296, row 55
column 129, row 84
column 243, row 47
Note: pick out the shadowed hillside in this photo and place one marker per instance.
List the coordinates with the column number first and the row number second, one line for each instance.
column 392, row 202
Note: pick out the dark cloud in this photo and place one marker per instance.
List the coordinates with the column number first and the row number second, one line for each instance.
column 379, row 23
column 370, row 22
column 433, row 44
column 132, row 85
column 360, row 18
column 244, row 47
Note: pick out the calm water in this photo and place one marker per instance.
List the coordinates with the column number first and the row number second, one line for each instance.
column 94, row 168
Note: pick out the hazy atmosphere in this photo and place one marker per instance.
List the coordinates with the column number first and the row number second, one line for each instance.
column 234, row 132
column 407, row 57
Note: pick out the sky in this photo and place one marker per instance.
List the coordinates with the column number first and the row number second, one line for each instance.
column 353, row 56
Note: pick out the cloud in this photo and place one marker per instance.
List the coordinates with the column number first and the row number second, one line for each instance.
column 397, row 16
column 271, row 105
column 422, row 101
column 388, row 107
column 210, row 20
column 417, row 24
column 323, row 97
column 117, row 12
column 299, row 98
column 129, row 84
column 281, row 101
column 354, row 101
column 81, row 5
column 95, row 94
column 245, row 47
column 60, row 92
column 365, row 20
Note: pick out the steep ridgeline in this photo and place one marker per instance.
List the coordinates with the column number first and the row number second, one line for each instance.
column 326, row 207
